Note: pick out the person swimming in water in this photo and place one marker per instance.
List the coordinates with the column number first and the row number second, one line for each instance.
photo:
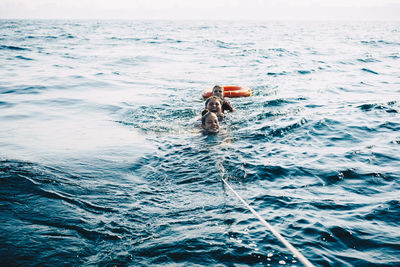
column 214, row 104
column 210, row 123
column 219, row 91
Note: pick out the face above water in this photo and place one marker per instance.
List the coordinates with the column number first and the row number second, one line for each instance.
column 214, row 106
column 218, row 92
column 211, row 124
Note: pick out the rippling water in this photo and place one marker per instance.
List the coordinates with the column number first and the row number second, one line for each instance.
column 102, row 162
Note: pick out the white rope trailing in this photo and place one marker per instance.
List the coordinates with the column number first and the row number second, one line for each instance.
column 295, row 252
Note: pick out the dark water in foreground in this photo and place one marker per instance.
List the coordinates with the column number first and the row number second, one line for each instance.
column 101, row 161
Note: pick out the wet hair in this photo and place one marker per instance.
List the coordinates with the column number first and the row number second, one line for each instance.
column 218, row 86
column 204, row 116
column 214, row 97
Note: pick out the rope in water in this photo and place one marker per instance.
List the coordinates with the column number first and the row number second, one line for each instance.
column 295, row 252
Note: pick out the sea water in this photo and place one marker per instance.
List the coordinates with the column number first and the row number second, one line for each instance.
column 102, row 161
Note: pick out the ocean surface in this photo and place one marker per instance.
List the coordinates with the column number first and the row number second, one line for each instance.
column 102, row 162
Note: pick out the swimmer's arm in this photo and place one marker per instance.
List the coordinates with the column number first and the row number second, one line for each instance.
column 228, row 106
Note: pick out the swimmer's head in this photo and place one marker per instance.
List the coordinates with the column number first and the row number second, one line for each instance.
column 218, row 90
column 210, row 123
column 214, row 104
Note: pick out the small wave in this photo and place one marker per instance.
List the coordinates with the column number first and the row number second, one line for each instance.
column 68, row 36
column 278, row 49
column 368, row 60
column 368, row 42
column 222, row 44
column 305, row 71
column 72, row 200
column 255, row 172
column 361, row 241
column 277, row 102
column 125, row 38
column 283, row 130
column 11, row 47
column 389, row 210
column 169, row 40
column 25, row 90
column 24, row 58
column 5, row 104
column 370, row 71
column 390, row 107
column 74, row 226
column 353, row 174
column 179, row 250
column 30, row 178
column 376, row 42
column 277, row 73
column 394, row 56
column 161, row 118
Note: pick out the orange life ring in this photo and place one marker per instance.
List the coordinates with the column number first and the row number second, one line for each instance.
column 230, row 91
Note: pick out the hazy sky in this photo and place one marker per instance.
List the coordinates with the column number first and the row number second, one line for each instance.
column 202, row 9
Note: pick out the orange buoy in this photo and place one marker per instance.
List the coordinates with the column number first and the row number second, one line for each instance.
column 230, row 91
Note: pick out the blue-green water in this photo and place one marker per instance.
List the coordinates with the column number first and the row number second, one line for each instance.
column 102, row 162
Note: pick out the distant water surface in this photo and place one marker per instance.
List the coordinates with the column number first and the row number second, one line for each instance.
column 102, row 162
